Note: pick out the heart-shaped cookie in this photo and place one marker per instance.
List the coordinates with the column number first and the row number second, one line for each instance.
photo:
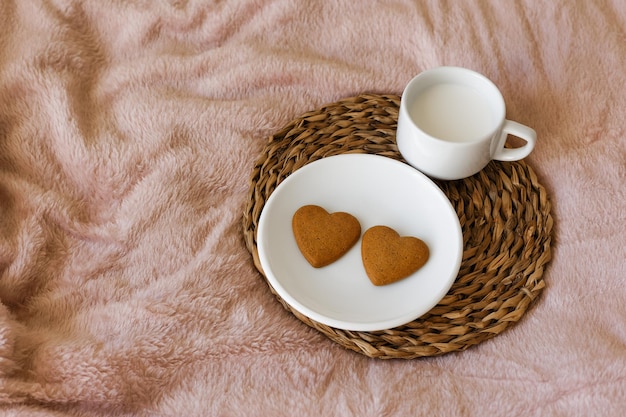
column 322, row 237
column 389, row 257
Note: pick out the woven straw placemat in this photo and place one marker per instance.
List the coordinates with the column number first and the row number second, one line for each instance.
column 503, row 210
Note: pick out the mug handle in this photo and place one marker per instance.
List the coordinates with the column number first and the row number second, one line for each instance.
column 521, row 131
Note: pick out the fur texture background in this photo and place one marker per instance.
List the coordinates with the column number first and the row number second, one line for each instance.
column 128, row 131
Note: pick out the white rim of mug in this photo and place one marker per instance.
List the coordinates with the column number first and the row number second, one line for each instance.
column 465, row 72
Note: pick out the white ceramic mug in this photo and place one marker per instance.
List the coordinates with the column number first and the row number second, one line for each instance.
column 452, row 123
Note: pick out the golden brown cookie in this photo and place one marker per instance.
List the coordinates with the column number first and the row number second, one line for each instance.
column 388, row 257
column 322, row 237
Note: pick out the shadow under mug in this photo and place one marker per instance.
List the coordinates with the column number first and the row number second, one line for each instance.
column 452, row 124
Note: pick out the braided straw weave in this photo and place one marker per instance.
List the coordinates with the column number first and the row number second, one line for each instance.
column 503, row 210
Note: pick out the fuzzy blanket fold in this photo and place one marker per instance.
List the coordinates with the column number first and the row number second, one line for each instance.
column 128, row 131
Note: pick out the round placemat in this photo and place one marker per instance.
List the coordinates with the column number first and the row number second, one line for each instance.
column 503, row 210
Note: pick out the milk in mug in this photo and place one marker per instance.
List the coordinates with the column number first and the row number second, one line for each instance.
column 453, row 112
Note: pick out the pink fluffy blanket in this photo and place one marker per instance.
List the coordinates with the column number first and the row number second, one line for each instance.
column 128, row 131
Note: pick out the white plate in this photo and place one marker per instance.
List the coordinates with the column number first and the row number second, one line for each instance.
column 377, row 191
